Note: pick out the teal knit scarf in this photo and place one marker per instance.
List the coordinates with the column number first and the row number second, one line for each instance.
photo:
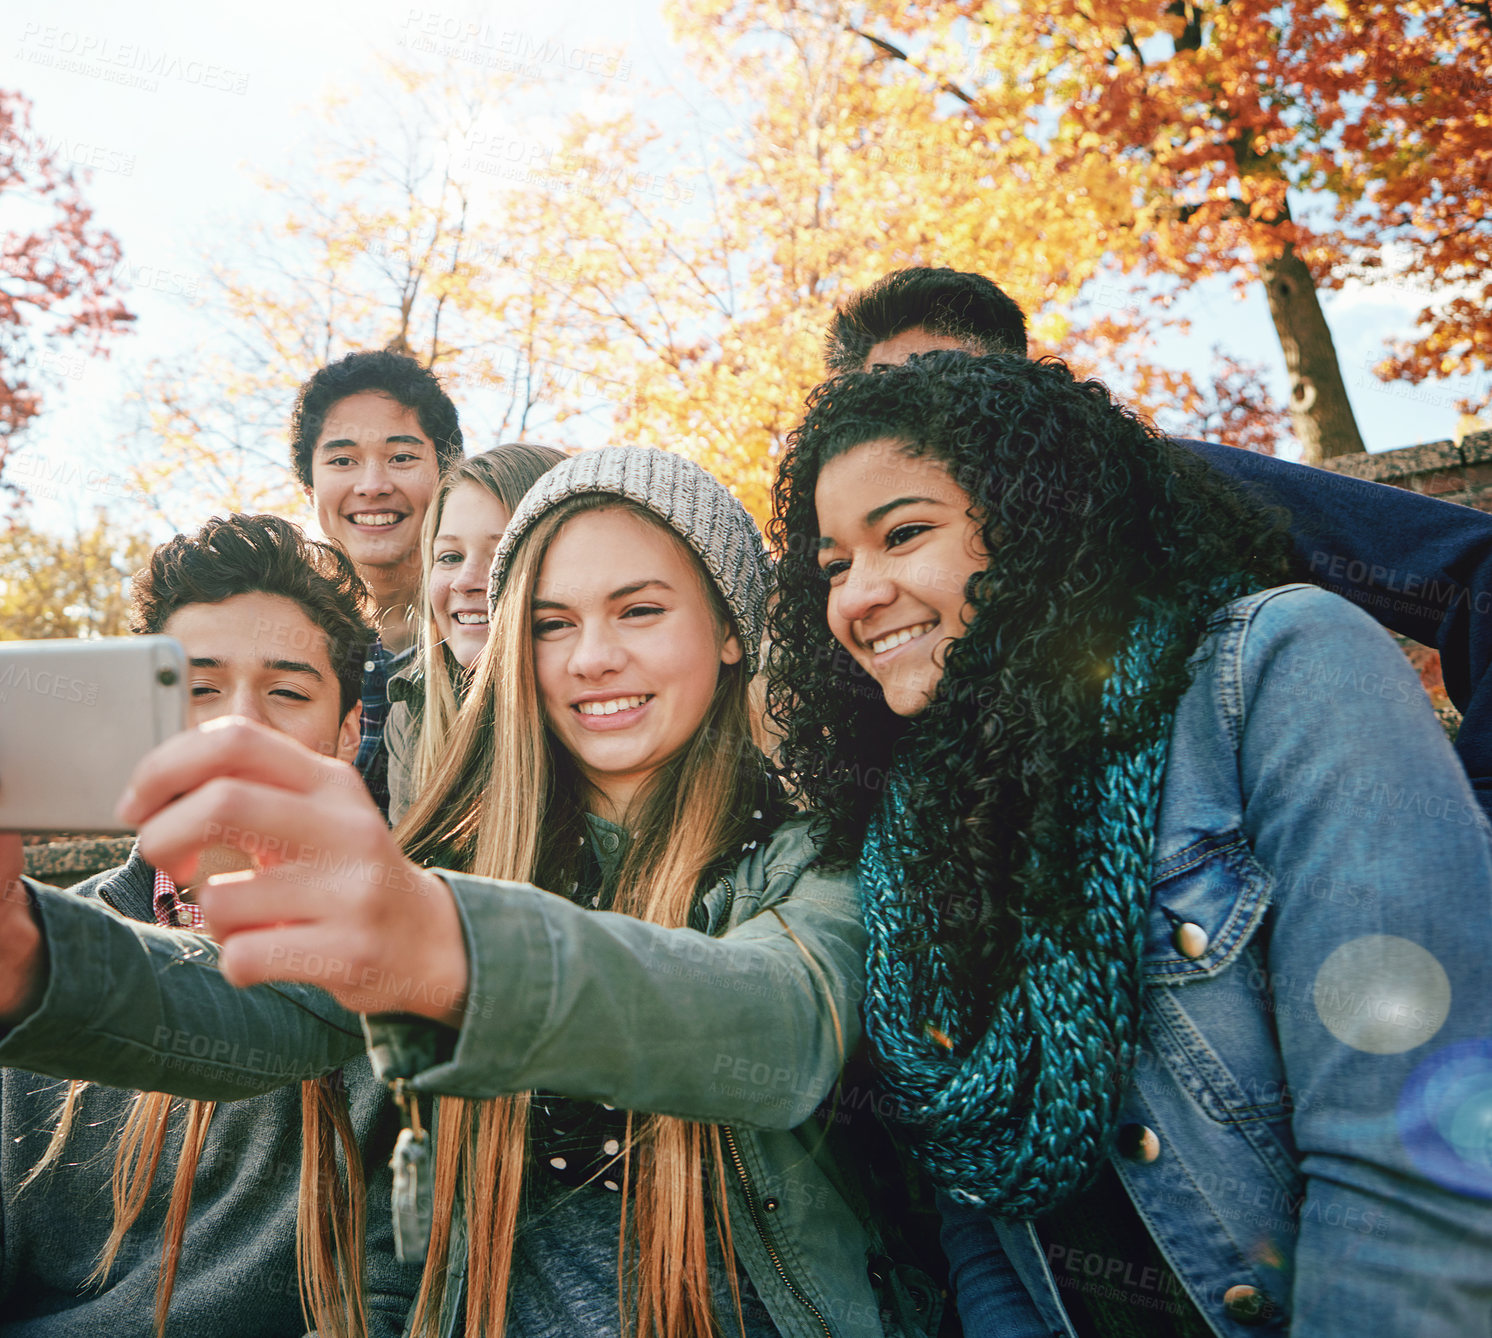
column 1016, row 1119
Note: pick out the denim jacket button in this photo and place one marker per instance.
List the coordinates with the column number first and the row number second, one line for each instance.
column 1248, row 1305
column 1191, row 940
column 1138, row 1143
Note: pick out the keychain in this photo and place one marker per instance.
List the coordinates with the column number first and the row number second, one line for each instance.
column 412, row 1202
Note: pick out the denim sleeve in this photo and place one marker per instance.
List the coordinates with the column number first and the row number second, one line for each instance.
column 751, row 1027
column 1420, row 566
column 138, row 1006
column 1378, row 947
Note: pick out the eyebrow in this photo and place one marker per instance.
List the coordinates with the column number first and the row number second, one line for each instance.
column 622, row 592
column 342, row 443
column 879, row 513
column 282, row 666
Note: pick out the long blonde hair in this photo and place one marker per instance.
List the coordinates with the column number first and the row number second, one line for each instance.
column 507, row 802
column 329, row 1212
column 507, row 472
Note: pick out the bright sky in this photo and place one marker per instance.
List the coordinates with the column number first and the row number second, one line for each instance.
column 177, row 145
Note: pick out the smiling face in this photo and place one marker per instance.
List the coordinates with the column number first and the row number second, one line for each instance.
column 373, row 472
column 260, row 656
column 627, row 649
column 472, row 520
column 898, row 547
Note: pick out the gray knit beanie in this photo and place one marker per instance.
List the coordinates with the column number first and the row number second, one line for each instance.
column 693, row 503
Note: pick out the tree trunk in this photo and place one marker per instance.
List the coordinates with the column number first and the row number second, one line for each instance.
column 1319, row 409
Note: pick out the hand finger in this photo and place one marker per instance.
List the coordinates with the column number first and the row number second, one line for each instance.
column 237, row 902
column 273, row 825
column 354, row 893
column 311, row 954
column 230, row 746
column 284, row 952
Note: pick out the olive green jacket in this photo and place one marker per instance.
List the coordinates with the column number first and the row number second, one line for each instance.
column 746, row 1025
column 237, row 1276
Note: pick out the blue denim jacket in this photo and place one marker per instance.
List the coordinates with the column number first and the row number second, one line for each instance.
column 1307, row 1125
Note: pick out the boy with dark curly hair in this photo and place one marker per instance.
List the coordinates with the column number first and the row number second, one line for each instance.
column 1422, row 567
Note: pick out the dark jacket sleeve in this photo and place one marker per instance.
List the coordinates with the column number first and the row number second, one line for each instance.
column 137, row 1006
column 1420, row 566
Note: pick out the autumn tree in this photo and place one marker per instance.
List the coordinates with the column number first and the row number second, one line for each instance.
column 1423, row 152
column 59, row 296
column 613, row 277
column 1235, row 407
column 68, row 584
column 385, row 239
column 704, row 281
column 1277, row 142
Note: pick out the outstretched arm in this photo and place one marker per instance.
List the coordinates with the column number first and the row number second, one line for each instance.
column 749, row 1027
column 138, row 1006
column 753, row 1025
column 88, row 993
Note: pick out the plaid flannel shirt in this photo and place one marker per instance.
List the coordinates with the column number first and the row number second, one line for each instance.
column 372, row 756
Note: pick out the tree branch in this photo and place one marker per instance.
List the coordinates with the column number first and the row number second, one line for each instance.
column 1481, row 8
column 1191, row 17
column 896, row 53
column 1133, row 45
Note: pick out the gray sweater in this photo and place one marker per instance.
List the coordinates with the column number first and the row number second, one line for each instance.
column 237, row 1274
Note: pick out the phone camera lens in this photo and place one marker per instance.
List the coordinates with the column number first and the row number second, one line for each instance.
column 166, row 677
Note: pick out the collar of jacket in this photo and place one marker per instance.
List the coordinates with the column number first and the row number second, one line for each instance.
column 128, row 888
column 408, row 684
column 608, row 841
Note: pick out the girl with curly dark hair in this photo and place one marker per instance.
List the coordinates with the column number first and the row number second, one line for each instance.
column 1148, row 842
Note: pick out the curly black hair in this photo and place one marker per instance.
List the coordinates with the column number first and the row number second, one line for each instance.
column 396, row 375
column 241, row 555
column 942, row 301
column 1093, row 520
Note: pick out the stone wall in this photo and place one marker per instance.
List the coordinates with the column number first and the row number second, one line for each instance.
column 1454, row 473
column 63, row 862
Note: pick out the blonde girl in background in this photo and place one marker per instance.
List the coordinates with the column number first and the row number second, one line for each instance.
column 473, row 503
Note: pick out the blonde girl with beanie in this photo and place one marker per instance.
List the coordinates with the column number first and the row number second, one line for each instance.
column 639, row 980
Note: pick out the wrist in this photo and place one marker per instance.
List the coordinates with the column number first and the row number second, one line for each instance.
column 23, row 958
column 445, row 966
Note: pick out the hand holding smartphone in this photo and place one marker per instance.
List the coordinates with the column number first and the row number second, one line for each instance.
column 75, row 718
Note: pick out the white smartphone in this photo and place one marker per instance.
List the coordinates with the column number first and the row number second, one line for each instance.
column 75, row 718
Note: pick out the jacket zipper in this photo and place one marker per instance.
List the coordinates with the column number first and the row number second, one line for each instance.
column 761, row 1230
column 730, row 900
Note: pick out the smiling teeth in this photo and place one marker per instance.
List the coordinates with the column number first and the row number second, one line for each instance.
column 610, row 707
column 471, row 619
column 900, row 638
column 376, row 518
